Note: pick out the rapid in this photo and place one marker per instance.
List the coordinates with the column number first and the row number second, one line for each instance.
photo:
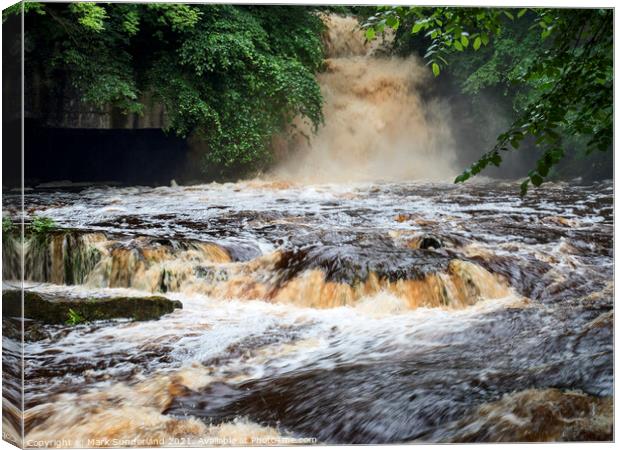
column 321, row 303
column 311, row 311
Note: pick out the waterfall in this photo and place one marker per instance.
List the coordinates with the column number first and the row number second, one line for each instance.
column 378, row 125
column 305, row 279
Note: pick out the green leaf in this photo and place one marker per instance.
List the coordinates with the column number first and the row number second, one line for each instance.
column 536, row 179
column 524, row 187
column 442, row 59
column 521, row 13
column 417, row 27
column 542, row 168
column 462, row 177
column 464, row 40
column 458, row 46
column 477, row 43
column 436, row 69
column 496, row 159
column 392, row 22
column 370, row 34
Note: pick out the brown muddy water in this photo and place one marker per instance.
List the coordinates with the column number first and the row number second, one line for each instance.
column 327, row 313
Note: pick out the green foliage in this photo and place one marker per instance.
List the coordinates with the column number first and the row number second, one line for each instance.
column 176, row 16
column 16, row 8
column 41, row 225
column 7, row 225
column 449, row 29
column 74, row 318
column 257, row 91
column 89, row 15
column 556, row 64
column 231, row 75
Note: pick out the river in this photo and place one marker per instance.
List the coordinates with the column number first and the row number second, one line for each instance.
column 321, row 305
column 328, row 313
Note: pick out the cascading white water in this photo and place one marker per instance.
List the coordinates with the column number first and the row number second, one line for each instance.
column 319, row 363
column 377, row 126
column 313, row 311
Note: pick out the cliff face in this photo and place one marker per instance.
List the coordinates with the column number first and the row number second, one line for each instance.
column 56, row 103
column 68, row 139
column 11, row 101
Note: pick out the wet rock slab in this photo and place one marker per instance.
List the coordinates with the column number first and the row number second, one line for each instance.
column 57, row 308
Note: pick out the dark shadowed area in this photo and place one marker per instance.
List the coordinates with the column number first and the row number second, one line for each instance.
column 128, row 156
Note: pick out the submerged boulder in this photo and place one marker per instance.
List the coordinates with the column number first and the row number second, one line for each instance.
column 57, row 308
column 430, row 241
column 32, row 330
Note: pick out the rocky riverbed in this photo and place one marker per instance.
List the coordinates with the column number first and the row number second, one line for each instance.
column 349, row 313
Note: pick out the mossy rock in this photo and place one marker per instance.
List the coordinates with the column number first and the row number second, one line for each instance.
column 55, row 309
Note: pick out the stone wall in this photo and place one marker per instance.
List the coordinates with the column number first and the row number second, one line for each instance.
column 56, row 103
